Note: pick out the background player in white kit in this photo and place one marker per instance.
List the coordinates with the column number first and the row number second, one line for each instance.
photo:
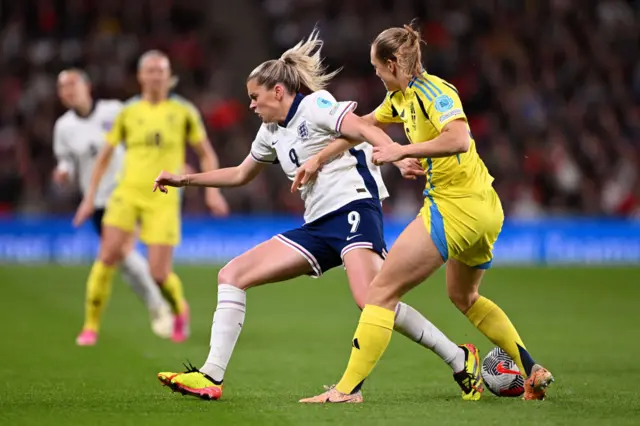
column 343, row 212
column 78, row 136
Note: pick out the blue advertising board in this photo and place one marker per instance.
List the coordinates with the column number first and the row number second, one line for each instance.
column 566, row 241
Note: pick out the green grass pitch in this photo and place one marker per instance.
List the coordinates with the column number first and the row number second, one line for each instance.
column 581, row 323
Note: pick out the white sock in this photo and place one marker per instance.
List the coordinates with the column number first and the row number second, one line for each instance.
column 225, row 330
column 135, row 272
column 416, row 327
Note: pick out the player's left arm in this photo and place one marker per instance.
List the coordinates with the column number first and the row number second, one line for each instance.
column 65, row 168
column 338, row 118
column 199, row 141
column 453, row 139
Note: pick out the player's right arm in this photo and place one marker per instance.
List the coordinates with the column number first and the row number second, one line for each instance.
column 114, row 138
column 100, row 167
column 262, row 153
column 220, row 178
column 87, row 207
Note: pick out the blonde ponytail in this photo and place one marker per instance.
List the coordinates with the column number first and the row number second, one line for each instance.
column 401, row 45
column 301, row 66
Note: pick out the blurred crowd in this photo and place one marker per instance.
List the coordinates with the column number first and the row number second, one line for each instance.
column 551, row 88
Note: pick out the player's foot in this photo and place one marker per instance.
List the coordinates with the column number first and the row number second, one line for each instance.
column 470, row 379
column 333, row 395
column 87, row 338
column 192, row 382
column 165, row 378
column 161, row 321
column 181, row 325
column 535, row 386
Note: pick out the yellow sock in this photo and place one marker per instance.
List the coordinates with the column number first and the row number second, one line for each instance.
column 172, row 292
column 494, row 323
column 369, row 343
column 97, row 295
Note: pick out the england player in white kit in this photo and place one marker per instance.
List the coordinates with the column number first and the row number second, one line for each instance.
column 343, row 214
column 78, row 136
column 343, row 205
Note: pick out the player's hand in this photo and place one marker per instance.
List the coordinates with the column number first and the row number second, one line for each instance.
column 84, row 212
column 410, row 168
column 166, row 179
column 215, row 202
column 60, row 177
column 388, row 153
column 306, row 173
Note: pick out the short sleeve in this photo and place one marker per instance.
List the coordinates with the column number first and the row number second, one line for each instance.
column 195, row 127
column 261, row 149
column 386, row 112
column 327, row 113
column 61, row 150
column 116, row 135
column 445, row 107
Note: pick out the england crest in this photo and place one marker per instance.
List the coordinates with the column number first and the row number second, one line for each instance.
column 303, row 130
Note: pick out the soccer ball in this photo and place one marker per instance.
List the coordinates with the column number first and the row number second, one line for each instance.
column 501, row 375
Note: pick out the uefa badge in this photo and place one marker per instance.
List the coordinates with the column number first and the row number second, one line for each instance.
column 324, row 103
column 443, row 103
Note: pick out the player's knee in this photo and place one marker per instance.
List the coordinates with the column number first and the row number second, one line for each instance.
column 159, row 273
column 226, row 275
column 110, row 256
column 382, row 294
column 230, row 275
column 159, row 277
column 127, row 248
column 360, row 301
column 462, row 299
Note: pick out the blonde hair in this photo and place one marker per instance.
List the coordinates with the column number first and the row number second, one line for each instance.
column 301, row 66
column 400, row 45
column 155, row 53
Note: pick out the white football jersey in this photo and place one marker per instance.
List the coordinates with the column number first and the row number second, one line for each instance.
column 312, row 123
column 78, row 140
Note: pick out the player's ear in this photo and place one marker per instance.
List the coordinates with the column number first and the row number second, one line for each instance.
column 279, row 91
column 391, row 66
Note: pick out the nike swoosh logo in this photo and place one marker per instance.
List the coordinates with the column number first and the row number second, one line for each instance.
column 500, row 369
column 274, row 142
column 352, row 237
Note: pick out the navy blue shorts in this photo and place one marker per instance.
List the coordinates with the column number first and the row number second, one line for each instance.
column 326, row 240
column 96, row 220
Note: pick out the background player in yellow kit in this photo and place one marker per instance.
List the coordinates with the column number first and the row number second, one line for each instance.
column 155, row 128
column 458, row 225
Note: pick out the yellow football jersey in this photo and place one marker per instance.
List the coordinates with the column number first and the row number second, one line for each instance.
column 155, row 137
column 426, row 106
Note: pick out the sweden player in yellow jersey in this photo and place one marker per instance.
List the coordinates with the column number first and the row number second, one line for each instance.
column 155, row 128
column 458, row 225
